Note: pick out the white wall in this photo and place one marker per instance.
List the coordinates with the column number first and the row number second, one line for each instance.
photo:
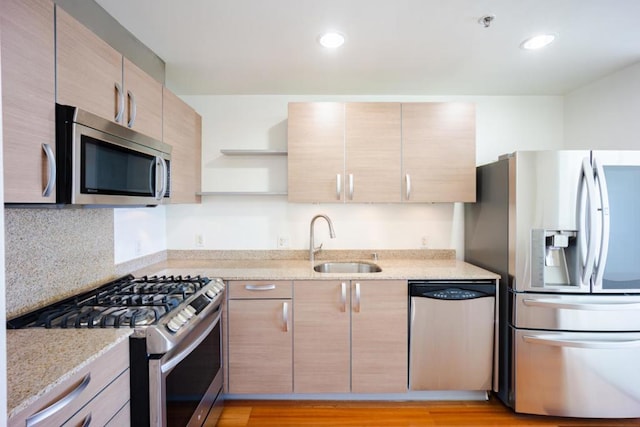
column 504, row 124
column 138, row 232
column 606, row 113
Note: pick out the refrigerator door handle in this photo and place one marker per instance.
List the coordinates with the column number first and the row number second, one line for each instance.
column 591, row 306
column 587, row 228
column 581, row 343
column 601, row 259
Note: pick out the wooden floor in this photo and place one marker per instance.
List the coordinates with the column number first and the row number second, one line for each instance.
column 238, row 413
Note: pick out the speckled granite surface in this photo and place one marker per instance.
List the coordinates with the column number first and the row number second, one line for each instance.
column 264, row 268
column 50, row 254
column 40, row 359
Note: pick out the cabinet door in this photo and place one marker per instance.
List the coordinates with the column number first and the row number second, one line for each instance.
column 322, row 337
column 28, row 100
column 143, row 108
column 372, row 152
column 438, row 152
column 88, row 69
column 379, row 336
column 316, row 152
column 260, row 346
column 182, row 129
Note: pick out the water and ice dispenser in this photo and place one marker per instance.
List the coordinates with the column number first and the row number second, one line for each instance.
column 554, row 258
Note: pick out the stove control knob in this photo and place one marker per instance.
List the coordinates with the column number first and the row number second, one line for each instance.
column 173, row 326
column 189, row 312
column 211, row 294
column 180, row 318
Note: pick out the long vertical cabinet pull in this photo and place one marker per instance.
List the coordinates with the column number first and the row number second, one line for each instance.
column 601, row 184
column 343, row 296
column 120, row 106
column 133, row 109
column 408, row 179
column 51, row 165
column 87, row 421
column 338, row 186
column 285, row 316
column 356, row 306
column 350, row 186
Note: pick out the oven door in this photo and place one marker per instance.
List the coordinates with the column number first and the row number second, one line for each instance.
column 186, row 383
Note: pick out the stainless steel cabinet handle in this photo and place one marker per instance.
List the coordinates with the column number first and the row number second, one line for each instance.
column 41, row 416
column 356, row 306
column 51, row 165
column 581, row 343
column 260, row 287
column 408, row 179
column 285, row 316
column 605, row 230
column 120, row 109
column 87, row 421
column 343, row 296
column 592, row 306
column 338, row 186
column 350, row 186
column 133, row 110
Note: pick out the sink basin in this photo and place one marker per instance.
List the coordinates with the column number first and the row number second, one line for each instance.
column 347, row 267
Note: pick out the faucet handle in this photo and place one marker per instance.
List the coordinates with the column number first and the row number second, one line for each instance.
column 317, row 249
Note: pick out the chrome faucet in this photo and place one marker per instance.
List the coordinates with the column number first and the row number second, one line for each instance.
column 312, row 249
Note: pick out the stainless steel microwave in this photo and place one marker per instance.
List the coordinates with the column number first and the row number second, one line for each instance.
column 99, row 162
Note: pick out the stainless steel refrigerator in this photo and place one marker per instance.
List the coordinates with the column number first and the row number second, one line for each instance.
column 562, row 228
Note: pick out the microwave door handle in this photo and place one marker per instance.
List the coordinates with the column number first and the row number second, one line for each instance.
column 604, row 218
column 163, row 189
column 588, row 227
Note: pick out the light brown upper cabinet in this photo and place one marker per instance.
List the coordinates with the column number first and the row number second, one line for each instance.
column 28, row 100
column 372, row 152
column 344, row 152
column 93, row 76
column 381, row 152
column 439, row 152
column 316, row 152
column 182, row 129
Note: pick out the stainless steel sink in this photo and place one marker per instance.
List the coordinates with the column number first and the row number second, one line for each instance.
column 347, row 267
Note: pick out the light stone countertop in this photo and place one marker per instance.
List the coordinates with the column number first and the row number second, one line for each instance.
column 40, row 359
column 301, row 269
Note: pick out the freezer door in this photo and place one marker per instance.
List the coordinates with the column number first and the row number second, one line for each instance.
column 591, row 375
column 577, row 312
column 546, row 192
column 617, row 231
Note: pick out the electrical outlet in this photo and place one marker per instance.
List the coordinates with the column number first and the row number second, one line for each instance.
column 199, row 241
column 283, row 242
column 423, row 242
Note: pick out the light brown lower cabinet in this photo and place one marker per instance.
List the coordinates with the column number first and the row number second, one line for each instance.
column 97, row 394
column 260, row 337
column 350, row 336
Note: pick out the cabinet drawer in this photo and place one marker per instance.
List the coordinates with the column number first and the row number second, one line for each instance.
column 97, row 375
column 259, row 289
column 105, row 405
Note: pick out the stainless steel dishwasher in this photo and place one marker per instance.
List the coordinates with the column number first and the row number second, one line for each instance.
column 451, row 342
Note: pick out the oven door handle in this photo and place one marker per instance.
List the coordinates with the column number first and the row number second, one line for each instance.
column 175, row 360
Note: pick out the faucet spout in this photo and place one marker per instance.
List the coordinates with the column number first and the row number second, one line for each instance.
column 312, row 248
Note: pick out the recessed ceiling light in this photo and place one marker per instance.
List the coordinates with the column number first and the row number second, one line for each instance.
column 331, row 39
column 538, row 42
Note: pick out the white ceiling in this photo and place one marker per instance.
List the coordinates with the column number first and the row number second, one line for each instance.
column 395, row 47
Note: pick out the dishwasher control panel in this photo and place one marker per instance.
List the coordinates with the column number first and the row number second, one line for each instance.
column 453, row 293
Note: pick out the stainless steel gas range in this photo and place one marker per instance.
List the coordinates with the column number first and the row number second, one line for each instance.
column 176, row 348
